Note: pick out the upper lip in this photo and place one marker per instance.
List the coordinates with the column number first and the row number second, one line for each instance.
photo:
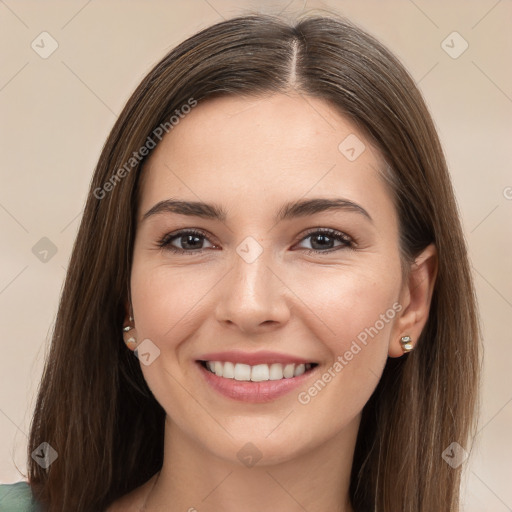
column 254, row 358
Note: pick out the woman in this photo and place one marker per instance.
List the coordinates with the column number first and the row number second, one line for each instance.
column 271, row 230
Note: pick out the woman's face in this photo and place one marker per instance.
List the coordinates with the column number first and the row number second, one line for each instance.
column 248, row 281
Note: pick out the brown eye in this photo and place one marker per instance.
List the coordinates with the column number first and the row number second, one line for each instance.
column 184, row 241
column 324, row 240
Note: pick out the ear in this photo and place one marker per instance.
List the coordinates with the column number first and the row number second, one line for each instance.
column 415, row 299
column 127, row 312
column 129, row 337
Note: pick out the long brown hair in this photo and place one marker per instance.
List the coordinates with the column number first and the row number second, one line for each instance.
column 94, row 406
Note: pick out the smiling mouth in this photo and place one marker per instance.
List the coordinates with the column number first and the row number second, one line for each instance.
column 256, row 373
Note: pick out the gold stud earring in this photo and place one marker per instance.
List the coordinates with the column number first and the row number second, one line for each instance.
column 406, row 343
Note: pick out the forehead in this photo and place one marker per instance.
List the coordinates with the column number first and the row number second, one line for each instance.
column 245, row 150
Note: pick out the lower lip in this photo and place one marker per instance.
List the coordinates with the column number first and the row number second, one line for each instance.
column 255, row 392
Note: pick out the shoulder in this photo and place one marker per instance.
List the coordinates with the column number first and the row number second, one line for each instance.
column 17, row 498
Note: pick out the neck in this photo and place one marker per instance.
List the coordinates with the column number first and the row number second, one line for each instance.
column 194, row 479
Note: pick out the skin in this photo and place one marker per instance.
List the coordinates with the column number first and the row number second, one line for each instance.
column 250, row 156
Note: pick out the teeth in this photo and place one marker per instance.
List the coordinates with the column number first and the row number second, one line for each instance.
column 228, row 370
column 218, row 367
column 257, row 373
column 301, row 368
column 242, row 372
column 276, row 371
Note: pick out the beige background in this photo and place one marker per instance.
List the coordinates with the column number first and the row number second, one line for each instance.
column 56, row 113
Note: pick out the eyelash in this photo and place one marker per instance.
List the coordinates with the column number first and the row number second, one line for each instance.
column 348, row 242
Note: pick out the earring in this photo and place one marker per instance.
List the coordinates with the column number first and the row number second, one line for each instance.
column 131, row 340
column 406, row 343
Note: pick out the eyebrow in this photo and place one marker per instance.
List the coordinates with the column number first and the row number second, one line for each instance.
column 300, row 208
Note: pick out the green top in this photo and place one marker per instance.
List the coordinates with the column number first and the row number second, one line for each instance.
column 17, row 498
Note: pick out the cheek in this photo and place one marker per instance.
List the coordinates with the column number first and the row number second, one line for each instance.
column 362, row 312
column 166, row 300
column 168, row 308
column 350, row 303
column 354, row 313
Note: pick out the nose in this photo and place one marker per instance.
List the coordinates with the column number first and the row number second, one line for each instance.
column 253, row 297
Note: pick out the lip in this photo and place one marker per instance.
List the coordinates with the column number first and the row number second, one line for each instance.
column 254, row 392
column 253, row 358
